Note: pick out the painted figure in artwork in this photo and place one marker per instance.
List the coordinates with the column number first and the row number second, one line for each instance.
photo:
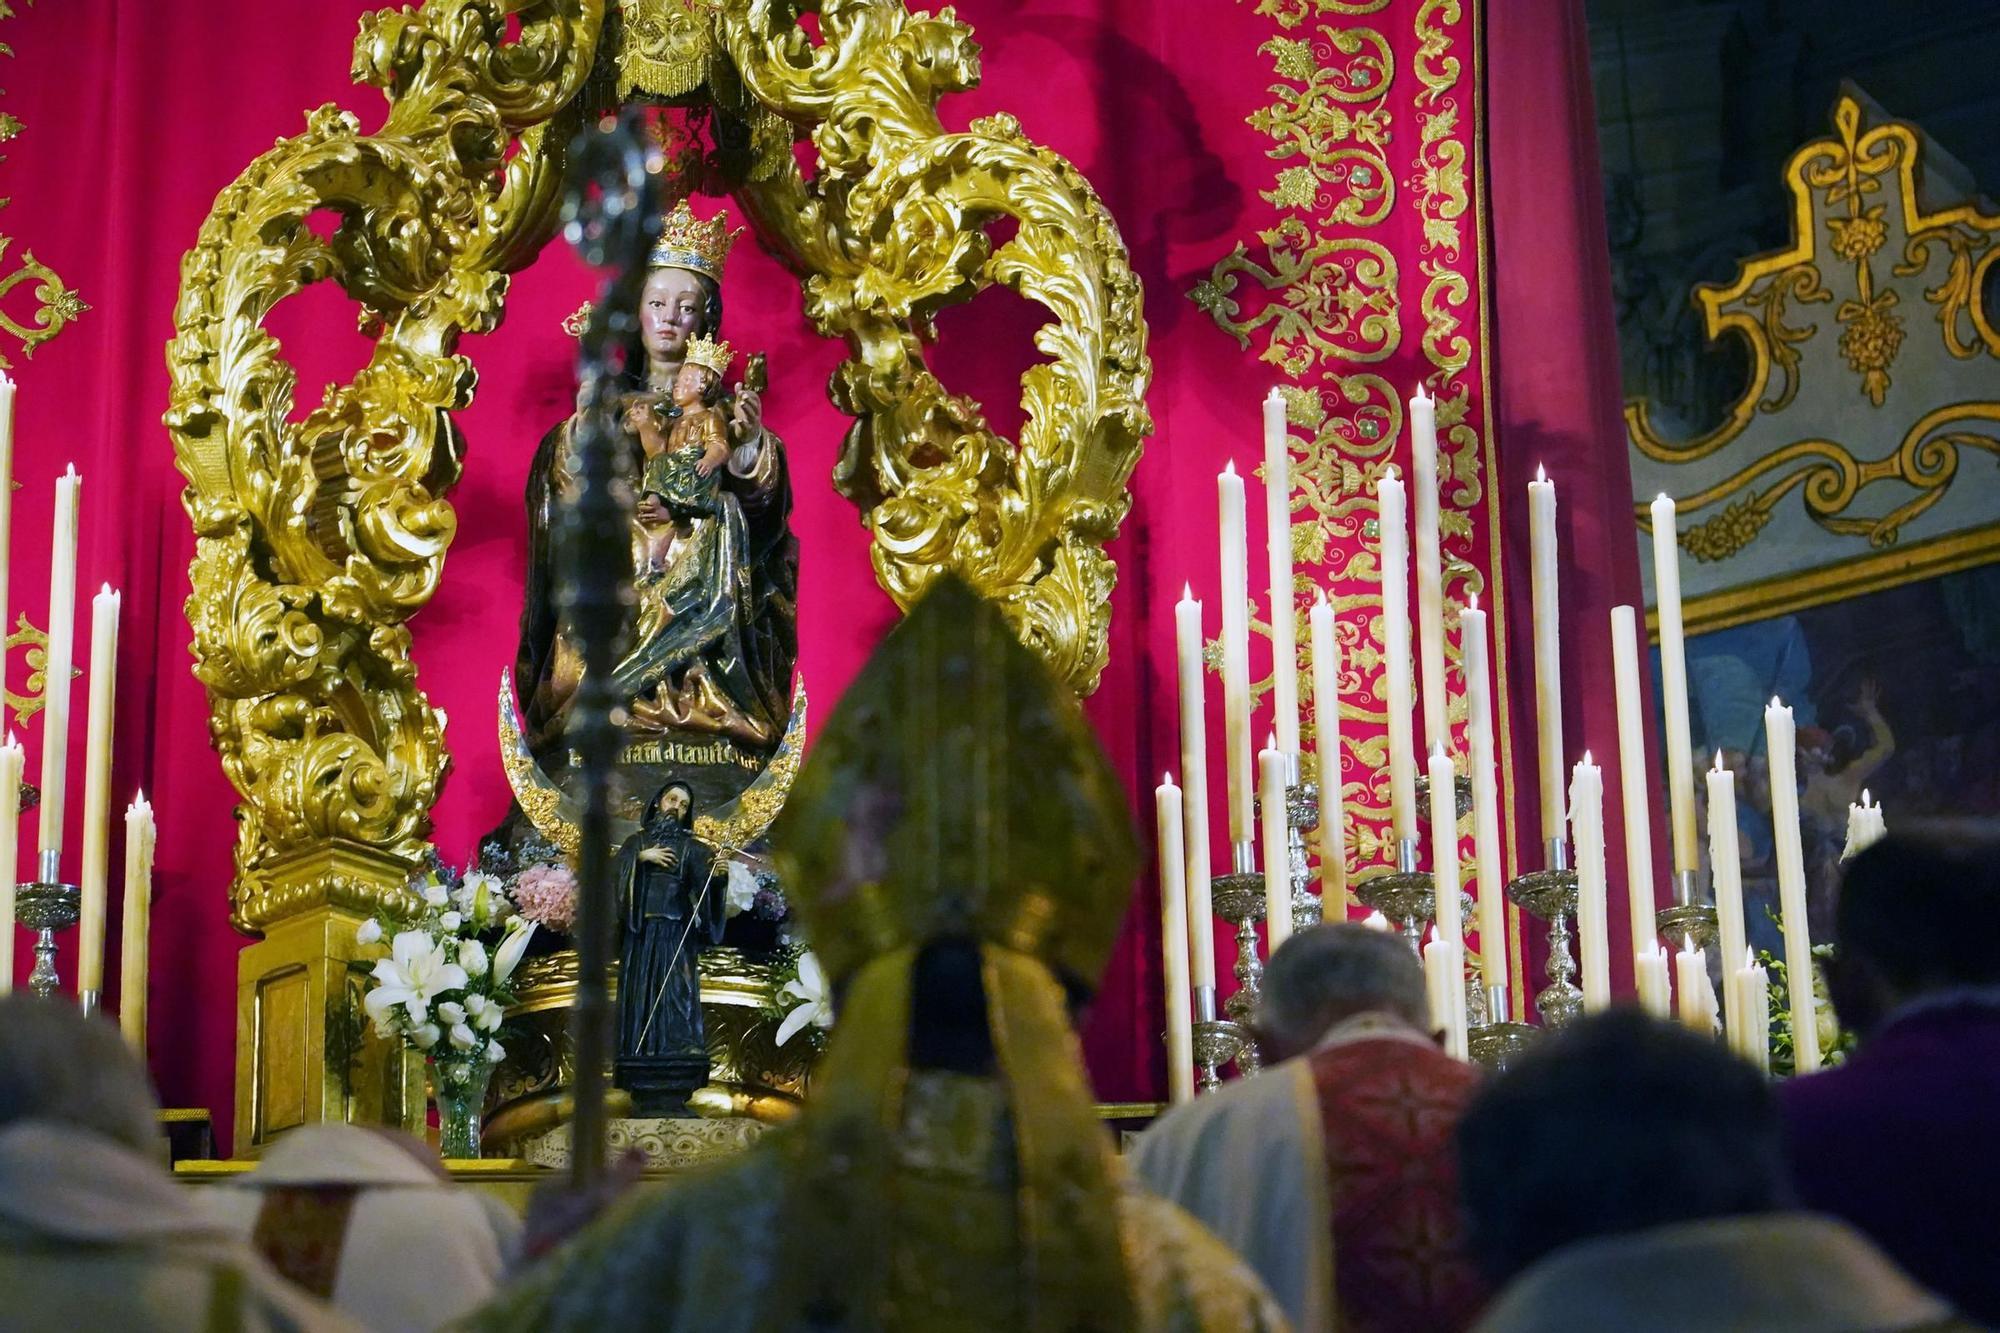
column 669, row 910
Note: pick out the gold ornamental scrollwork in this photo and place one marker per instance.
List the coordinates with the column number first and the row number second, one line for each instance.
column 317, row 540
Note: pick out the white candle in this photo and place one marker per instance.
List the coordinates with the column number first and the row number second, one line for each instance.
column 97, row 790
column 1173, row 941
column 1444, row 982
column 1691, row 980
column 1674, row 683
column 1236, row 656
column 12, row 762
column 1277, row 857
column 1750, row 992
column 6, row 510
column 61, row 660
column 1444, row 847
column 1194, row 770
column 1725, row 861
column 1326, row 718
column 1430, row 566
column 1780, row 738
column 1278, row 542
column 1548, row 649
column 1649, row 975
column 1485, row 796
column 1396, row 666
column 1586, row 831
column 137, row 924
column 1632, row 777
column 1865, row 827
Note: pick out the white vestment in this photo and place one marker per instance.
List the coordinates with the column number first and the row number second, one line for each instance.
column 418, row 1252
column 94, row 1235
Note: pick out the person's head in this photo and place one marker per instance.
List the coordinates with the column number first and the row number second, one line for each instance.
column 62, row 1068
column 1329, row 973
column 674, row 805
column 1900, row 922
column 1614, row 1124
column 695, row 385
column 674, row 306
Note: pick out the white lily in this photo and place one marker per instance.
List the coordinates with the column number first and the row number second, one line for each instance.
column 815, row 999
column 472, row 957
column 368, row 932
column 508, row 956
column 413, row 974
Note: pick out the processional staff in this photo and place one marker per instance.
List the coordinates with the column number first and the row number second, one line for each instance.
column 611, row 214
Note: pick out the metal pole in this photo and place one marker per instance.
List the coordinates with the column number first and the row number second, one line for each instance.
column 611, row 214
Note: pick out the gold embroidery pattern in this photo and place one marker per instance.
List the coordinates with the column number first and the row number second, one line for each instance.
column 56, row 304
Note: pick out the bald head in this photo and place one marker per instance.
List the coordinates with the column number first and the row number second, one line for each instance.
column 1326, row 974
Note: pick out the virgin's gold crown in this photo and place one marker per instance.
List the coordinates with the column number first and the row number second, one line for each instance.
column 687, row 242
column 709, row 353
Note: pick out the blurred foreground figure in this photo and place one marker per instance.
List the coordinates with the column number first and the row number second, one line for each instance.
column 1899, row 1140
column 960, row 853
column 1626, row 1174
column 94, row 1234
column 368, row 1219
column 1333, row 1172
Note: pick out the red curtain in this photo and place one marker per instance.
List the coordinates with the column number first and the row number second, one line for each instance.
column 134, row 115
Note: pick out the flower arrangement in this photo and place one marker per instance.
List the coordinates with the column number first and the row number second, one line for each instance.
column 545, row 893
column 1835, row 1042
column 441, row 990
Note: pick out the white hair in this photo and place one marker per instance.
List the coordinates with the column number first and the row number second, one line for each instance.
column 1331, row 972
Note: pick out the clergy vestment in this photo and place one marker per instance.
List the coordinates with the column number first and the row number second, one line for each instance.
column 1334, row 1175
column 357, row 1219
column 1899, row 1142
column 95, row 1236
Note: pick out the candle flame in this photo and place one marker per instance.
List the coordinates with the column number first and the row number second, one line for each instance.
column 1319, row 597
column 1864, row 797
column 1167, row 778
column 105, row 591
column 70, row 471
column 1437, row 749
column 1718, row 762
column 1775, row 703
column 1472, row 601
column 1687, row 944
column 1541, row 475
column 1422, row 397
column 1229, row 468
column 1187, row 592
column 1270, row 740
column 1586, row 761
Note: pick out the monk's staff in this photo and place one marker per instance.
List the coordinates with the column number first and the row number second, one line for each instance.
column 722, row 853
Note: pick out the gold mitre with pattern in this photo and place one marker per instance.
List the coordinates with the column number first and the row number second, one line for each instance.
column 687, row 242
column 957, row 791
column 709, row 353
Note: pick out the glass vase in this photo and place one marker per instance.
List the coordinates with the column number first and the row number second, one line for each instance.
column 459, row 1088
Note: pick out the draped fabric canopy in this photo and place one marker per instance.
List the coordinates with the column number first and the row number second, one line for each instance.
column 133, row 115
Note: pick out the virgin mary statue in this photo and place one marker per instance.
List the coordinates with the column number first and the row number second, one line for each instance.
column 706, row 682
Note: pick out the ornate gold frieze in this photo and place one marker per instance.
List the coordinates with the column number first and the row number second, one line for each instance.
column 1780, row 488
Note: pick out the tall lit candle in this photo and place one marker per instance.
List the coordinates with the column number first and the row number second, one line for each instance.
column 1194, row 771
column 1277, row 857
column 1444, row 846
column 1586, row 831
column 1780, row 737
column 1444, row 982
column 1326, row 719
column 97, row 790
column 1485, row 793
column 1548, row 649
column 1278, row 541
column 6, row 506
column 1865, row 827
column 1236, row 656
column 1649, row 976
column 1173, row 940
column 1632, row 777
column 1725, row 861
column 1750, row 993
column 1396, row 667
column 12, row 762
column 61, row 661
column 1430, row 566
column 1674, row 683
column 137, row 923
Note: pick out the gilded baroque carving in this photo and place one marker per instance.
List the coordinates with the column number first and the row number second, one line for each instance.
column 317, row 540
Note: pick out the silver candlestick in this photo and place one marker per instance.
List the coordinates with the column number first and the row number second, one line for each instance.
column 1217, row 1041
column 45, row 906
column 1301, row 818
column 1550, row 895
column 1239, row 900
column 1405, row 895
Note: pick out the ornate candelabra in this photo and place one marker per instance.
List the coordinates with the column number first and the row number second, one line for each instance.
column 46, row 905
column 1550, row 895
column 1688, row 919
column 1239, row 900
column 1301, row 818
